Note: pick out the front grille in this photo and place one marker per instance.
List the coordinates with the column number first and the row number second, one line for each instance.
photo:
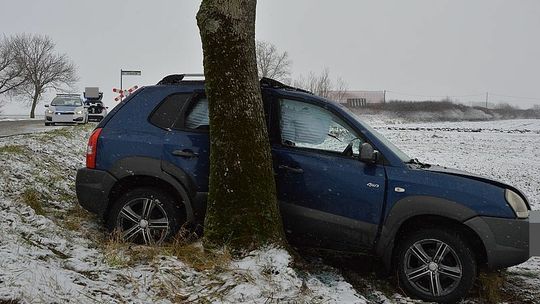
column 64, row 113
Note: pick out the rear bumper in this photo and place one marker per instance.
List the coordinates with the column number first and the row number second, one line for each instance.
column 93, row 188
column 506, row 240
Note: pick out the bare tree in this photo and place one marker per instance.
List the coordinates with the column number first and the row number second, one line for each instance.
column 242, row 209
column 322, row 85
column 340, row 90
column 271, row 62
column 42, row 66
column 11, row 72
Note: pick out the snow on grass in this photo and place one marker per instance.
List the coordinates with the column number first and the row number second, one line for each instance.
column 53, row 251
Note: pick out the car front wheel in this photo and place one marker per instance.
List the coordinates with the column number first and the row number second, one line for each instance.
column 146, row 216
column 436, row 265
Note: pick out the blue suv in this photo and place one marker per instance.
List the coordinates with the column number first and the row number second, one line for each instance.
column 340, row 184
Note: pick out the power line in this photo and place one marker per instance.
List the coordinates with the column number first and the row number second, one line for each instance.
column 516, row 97
column 438, row 96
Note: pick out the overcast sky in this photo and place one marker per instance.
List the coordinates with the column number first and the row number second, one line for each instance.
column 419, row 47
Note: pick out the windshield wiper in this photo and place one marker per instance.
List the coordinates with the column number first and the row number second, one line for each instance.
column 415, row 161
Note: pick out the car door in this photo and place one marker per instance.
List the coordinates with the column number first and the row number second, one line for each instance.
column 186, row 146
column 328, row 197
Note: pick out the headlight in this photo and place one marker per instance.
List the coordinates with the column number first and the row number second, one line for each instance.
column 79, row 112
column 49, row 111
column 517, row 203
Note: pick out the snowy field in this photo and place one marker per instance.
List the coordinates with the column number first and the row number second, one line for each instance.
column 52, row 251
column 19, row 117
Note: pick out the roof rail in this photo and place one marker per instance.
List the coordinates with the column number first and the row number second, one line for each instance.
column 271, row 83
column 178, row 78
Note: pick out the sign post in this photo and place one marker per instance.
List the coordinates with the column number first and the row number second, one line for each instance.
column 127, row 73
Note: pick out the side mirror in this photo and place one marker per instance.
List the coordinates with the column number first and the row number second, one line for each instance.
column 368, row 154
column 46, row 106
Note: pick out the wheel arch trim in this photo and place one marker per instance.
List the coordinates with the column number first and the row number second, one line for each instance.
column 151, row 168
column 414, row 206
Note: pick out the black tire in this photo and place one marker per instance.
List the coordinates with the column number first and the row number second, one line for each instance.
column 132, row 203
column 47, row 124
column 418, row 278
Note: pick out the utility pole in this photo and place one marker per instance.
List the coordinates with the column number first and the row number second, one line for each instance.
column 121, row 88
column 487, row 99
column 384, row 96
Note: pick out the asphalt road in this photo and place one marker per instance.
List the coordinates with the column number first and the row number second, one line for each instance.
column 17, row 127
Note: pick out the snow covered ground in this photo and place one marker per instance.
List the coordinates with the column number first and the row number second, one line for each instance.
column 52, row 251
column 20, row 117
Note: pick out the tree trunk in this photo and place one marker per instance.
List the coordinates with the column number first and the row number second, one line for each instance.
column 35, row 99
column 242, row 209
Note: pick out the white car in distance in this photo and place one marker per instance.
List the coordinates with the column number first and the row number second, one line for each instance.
column 66, row 108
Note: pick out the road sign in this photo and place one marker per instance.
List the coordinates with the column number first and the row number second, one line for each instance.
column 124, row 93
column 127, row 73
column 131, row 73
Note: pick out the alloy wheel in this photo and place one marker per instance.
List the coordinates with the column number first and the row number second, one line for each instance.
column 432, row 267
column 143, row 220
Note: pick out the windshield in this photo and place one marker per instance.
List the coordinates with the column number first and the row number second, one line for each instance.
column 404, row 157
column 66, row 101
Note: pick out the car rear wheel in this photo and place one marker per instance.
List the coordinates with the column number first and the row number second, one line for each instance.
column 435, row 265
column 146, row 216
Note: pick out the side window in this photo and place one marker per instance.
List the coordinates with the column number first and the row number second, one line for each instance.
column 168, row 110
column 197, row 116
column 305, row 125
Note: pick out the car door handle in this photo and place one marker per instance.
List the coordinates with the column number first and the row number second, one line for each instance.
column 294, row 170
column 185, row 153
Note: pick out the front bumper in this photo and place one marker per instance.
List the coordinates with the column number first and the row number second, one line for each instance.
column 95, row 117
column 507, row 241
column 93, row 188
column 64, row 118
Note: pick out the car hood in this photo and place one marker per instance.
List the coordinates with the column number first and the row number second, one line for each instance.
column 456, row 172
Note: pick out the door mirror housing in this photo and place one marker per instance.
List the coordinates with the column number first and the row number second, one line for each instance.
column 368, row 154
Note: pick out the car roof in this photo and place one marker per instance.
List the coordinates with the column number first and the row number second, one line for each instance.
column 266, row 83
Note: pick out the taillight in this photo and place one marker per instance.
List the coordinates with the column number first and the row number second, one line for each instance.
column 91, row 150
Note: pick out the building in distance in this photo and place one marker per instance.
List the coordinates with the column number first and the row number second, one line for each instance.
column 356, row 99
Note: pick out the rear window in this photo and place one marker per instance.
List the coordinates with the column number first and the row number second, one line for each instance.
column 168, row 111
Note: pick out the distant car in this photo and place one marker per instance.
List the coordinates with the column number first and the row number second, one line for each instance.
column 66, row 108
column 96, row 110
column 341, row 186
column 92, row 100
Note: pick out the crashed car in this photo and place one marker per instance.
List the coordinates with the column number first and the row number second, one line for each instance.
column 341, row 186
